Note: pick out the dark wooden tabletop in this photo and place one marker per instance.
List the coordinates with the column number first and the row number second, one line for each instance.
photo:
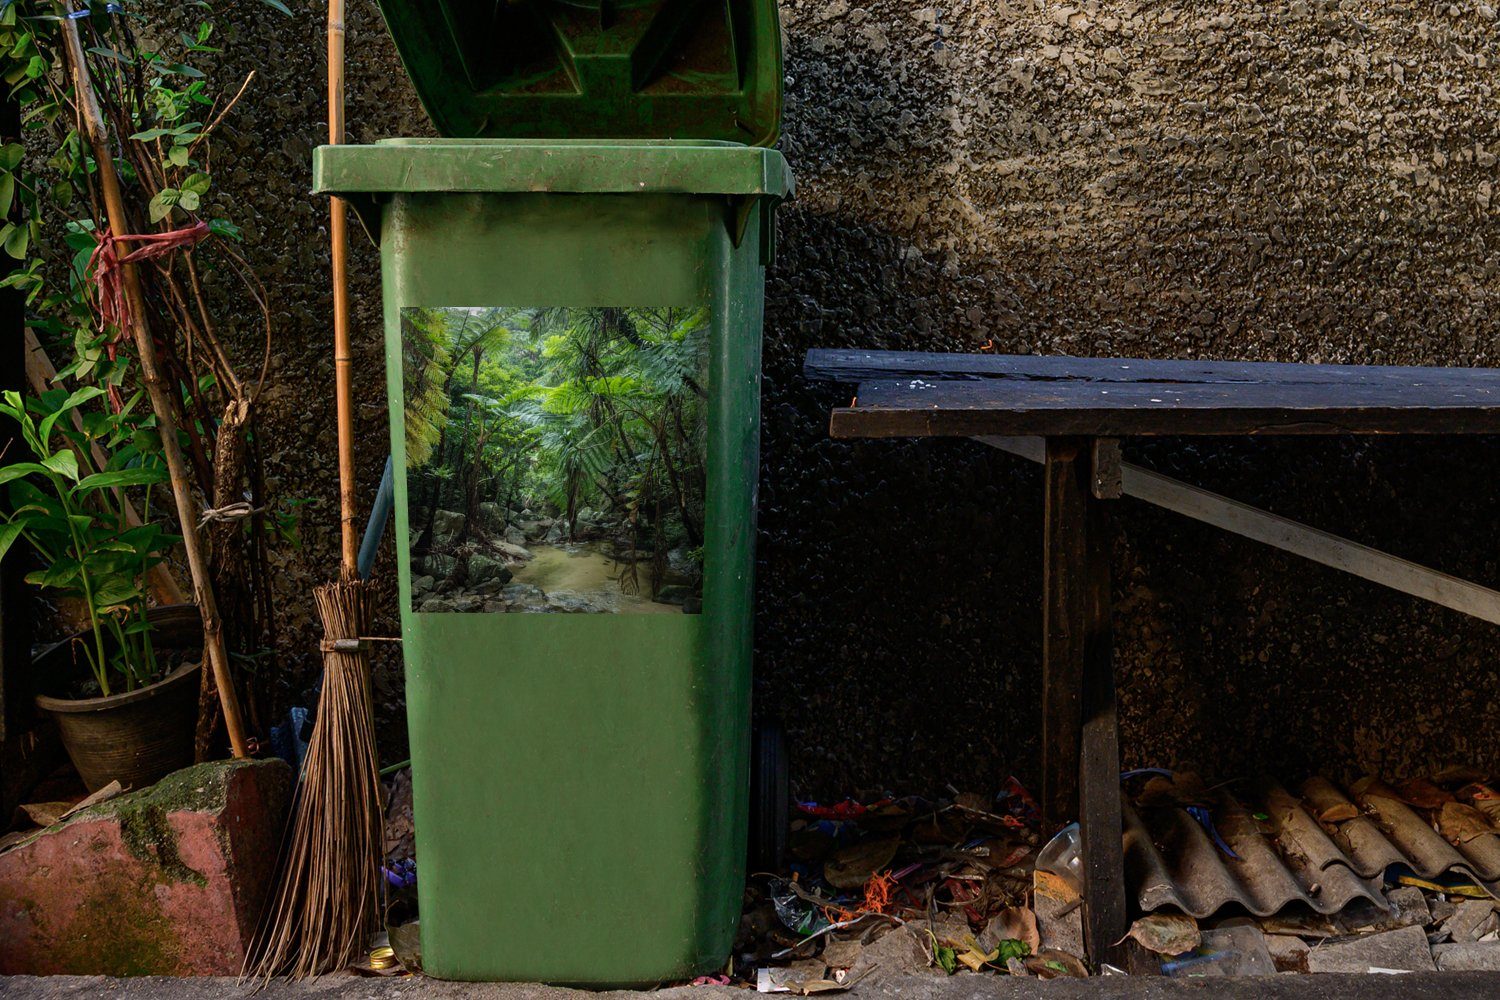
column 898, row 394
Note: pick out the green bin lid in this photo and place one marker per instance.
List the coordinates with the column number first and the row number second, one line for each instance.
column 590, row 69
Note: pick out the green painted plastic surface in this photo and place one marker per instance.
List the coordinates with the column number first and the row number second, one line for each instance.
column 580, row 780
column 746, row 176
column 651, row 69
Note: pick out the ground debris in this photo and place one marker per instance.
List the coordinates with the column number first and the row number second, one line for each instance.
column 1403, row 950
column 886, row 885
column 1166, row 933
column 1472, row 920
column 1477, row 956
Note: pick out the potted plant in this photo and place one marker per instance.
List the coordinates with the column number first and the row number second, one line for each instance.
column 124, row 701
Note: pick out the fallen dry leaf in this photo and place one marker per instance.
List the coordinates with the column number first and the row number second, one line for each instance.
column 973, row 959
column 1371, row 787
column 1338, row 812
column 851, row 867
column 1166, row 933
column 1460, row 824
column 1014, row 923
column 45, row 813
column 1423, row 794
column 1053, row 964
column 1484, row 798
column 1458, row 774
column 104, row 794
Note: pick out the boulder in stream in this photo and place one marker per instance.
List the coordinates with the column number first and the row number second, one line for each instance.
column 484, row 569
column 510, row 551
column 673, row 593
column 572, row 603
column 492, row 516
column 446, row 525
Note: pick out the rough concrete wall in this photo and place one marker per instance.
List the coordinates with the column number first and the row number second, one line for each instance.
column 1302, row 181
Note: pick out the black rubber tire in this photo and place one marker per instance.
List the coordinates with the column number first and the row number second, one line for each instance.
column 770, row 798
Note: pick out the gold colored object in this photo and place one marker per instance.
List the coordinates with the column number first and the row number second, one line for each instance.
column 383, row 958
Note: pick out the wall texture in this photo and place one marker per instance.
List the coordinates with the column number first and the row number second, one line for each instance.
column 1304, row 181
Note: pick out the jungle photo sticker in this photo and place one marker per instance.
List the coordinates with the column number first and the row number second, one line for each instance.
column 556, row 458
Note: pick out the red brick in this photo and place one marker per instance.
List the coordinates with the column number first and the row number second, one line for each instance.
column 166, row 881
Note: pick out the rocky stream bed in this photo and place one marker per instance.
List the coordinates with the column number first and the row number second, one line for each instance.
column 516, row 561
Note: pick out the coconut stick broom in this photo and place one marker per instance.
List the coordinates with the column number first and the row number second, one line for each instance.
column 327, row 901
column 97, row 134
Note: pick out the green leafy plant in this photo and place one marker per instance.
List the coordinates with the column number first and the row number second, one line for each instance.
column 156, row 78
column 75, row 518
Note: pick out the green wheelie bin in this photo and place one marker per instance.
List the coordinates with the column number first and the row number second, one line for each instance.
column 573, row 285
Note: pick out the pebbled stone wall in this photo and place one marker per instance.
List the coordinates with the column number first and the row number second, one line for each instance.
column 1302, row 181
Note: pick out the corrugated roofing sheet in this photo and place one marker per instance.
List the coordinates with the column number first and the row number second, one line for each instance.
column 1324, row 848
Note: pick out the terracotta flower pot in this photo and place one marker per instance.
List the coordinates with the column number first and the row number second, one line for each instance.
column 136, row 737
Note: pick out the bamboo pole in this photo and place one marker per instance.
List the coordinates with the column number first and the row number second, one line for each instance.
column 161, row 401
column 328, row 900
column 343, row 359
column 40, row 372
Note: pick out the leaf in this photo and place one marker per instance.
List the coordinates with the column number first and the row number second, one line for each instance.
column 45, row 813
column 1052, row 964
column 121, row 477
column 116, row 592
column 974, row 959
column 1014, row 923
column 59, row 574
column 9, row 532
column 223, row 227
column 11, row 155
column 64, row 463
column 197, row 183
column 20, row 469
column 7, row 192
column 1011, row 948
column 277, row 5
column 1423, row 794
column 1460, row 823
column 104, row 51
column 1166, row 933
column 161, row 205
column 188, row 201
column 77, row 398
column 177, row 156
column 1338, row 812
column 17, row 240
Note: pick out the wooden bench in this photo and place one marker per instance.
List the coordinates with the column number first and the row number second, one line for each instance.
column 1069, row 414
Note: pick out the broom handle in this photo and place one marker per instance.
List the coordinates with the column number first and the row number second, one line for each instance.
column 343, row 361
column 161, row 402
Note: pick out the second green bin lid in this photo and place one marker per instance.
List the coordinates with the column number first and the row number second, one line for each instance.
column 582, row 69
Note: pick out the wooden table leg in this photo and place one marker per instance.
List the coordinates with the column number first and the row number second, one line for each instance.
column 1104, row 912
column 1080, row 736
column 1065, row 588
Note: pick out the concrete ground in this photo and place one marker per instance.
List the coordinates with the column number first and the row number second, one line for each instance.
column 1416, row 986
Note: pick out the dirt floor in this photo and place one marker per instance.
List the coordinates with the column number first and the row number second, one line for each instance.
column 1437, row 986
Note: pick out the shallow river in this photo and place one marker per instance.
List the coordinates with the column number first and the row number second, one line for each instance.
column 585, row 571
